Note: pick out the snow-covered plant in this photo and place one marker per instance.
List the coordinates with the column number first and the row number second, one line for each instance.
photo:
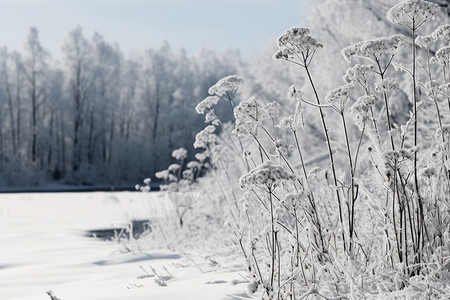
column 226, row 86
column 412, row 13
column 309, row 246
column 372, row 221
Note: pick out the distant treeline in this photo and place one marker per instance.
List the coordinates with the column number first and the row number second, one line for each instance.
column 96, row 115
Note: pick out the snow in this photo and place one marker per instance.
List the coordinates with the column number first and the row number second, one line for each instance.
column 43, row 248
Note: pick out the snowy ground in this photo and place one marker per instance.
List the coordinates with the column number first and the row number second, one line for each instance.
column 43, row 247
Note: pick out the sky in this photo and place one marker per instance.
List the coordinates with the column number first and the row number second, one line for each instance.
column 135, row 25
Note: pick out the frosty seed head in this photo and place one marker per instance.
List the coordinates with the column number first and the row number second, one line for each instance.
column 352, row 50
column 361, row 74
column 226, row 85
column 294, row 94
column 206, row 104
column 212, row 118
column 247, row 115
column 432, row 89
column 292, row 121
column 266, row 175
column 425, row 41
column 205, row 137
column 338, row 97
column 173, row 167
column 387, row 85
column 442, row 56
column 442, row 32
column 374, row 49
column 193, row 165
column 272, row 109
column 296, row 42
column 162, row 174
column 412, row 13
column 361, row 111
column 179, row 153
column 201, row 157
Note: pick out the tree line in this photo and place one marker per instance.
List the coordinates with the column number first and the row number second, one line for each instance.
column 97, row 116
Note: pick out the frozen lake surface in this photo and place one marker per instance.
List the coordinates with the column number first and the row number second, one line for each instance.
column 43, row 247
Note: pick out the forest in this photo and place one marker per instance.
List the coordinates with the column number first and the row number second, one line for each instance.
column 95, row 115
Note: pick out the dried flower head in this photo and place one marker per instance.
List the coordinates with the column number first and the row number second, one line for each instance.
column 442, row 56
column 227, row 85
column 205, row 137
column 294, row 122
column 374, row 49
column 387, row 85
column 193, row 165
column 442, row 32
column 412, row 13
column 361, row 111
column 432, row 89
column 361, row 74
column 294, row 94
column 272, row 109
column 174, row 167
column 338, row 97
column 425, row 40
column 179, row 153
column 206, row 104
column 162, row 174
column 296, row 43
column 201, row 157
column 266, row 175
column 247, row 115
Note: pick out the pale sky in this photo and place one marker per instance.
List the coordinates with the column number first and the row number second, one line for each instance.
column 140, row 24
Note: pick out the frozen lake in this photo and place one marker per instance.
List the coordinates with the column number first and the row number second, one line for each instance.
column 43, row 246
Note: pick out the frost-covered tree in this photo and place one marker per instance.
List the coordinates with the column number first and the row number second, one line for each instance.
column 35, row 66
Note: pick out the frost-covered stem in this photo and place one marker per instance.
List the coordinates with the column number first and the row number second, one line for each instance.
column 439, row 117
column 274, row 129
column 272, row 225
column 279, row 262
column 445, row 72
column 375, row 125
column 300, row 155
column 359, row 147
column 230, row 100
column 352, row 174
column 386, row 103
column 402, row 230
column 421, row 218
column 330, row 152
column 257, row 265
column 244, row 161
column 261, row 149
column 297, row 238
column 428, row 63
column 399, row 251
